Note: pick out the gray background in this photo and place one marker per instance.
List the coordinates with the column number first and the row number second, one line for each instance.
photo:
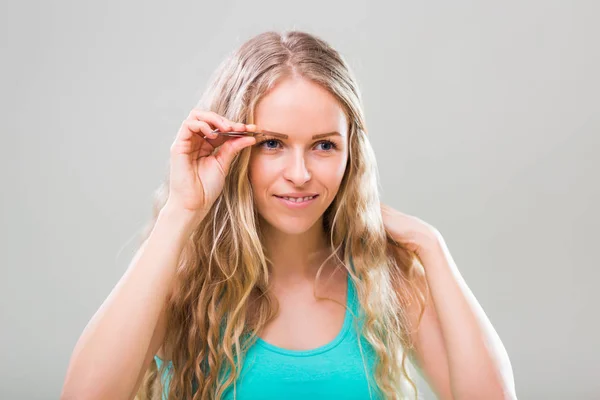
column 485, row 120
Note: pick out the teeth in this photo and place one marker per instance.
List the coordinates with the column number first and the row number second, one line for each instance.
column 299, row 199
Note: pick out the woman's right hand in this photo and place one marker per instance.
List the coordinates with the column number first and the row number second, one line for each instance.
column 197, row 177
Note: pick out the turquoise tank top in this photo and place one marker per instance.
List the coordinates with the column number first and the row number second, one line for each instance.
column 334, row 370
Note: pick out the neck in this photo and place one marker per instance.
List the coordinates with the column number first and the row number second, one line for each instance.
column 295, row 257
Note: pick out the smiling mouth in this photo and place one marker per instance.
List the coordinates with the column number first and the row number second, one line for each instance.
column 298, row 199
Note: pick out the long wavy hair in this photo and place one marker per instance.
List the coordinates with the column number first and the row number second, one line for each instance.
column 221, row 300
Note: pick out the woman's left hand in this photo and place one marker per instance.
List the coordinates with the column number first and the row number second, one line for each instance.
column 413, row 233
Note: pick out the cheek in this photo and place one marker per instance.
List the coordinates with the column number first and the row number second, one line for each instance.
column 258, row 175
column 332, row 174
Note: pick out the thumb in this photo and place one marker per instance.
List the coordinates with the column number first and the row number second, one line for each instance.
column 227, row 151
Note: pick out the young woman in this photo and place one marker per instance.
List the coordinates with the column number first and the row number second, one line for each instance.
column 272, row 271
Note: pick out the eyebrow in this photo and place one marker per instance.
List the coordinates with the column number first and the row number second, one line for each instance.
column 283, row 136
column 322, row 135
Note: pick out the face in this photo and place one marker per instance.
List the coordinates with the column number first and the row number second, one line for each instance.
column 306, row 162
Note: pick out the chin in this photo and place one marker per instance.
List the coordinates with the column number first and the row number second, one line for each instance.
column 290, row 225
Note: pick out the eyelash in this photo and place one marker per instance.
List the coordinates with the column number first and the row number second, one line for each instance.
column 333, row 145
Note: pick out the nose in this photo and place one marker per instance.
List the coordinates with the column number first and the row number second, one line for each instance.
column 296, row 170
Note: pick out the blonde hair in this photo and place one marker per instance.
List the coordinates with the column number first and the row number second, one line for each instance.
column 223, row 265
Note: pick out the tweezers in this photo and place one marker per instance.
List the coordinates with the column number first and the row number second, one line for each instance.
column 259, row 132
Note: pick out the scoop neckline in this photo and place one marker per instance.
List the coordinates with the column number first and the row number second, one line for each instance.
column 326, row 347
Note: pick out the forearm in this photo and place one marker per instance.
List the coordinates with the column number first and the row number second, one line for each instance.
column 113, row 345
column 479, row 367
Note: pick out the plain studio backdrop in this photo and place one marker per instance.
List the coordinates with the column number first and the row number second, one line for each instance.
column 484, row 118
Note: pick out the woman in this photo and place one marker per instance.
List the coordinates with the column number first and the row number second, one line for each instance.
column 272, row 271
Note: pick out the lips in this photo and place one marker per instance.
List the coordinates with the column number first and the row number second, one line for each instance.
column 296, row 205
column 296, row 199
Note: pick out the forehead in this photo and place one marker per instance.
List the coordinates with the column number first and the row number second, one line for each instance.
column 299, row 106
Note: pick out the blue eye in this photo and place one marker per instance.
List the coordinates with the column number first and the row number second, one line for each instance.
column 329, row 143
column 332, row 145
column 269, row 141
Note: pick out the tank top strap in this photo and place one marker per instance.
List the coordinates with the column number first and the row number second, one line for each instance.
column 352, row 264
column 352, row 301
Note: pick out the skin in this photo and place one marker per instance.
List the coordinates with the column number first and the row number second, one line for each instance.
column 295, row 241
column 300, row 109
column 457, row 349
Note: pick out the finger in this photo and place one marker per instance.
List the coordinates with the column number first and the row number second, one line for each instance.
column 238, row 127
column 234, row 126
column 205, row 150
column 228, row 150
column 188, row 139
column 200, row 127
column 198, row 135
column 212, row 118
column 194, row 148
column 205, row 132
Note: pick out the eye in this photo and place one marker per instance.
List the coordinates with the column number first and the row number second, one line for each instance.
column 269, row 144
column 270, row 141
column 332, row 145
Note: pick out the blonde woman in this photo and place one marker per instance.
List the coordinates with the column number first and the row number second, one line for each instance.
column 272, row 271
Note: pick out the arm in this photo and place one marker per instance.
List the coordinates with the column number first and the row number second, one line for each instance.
column 121, row 338
column 457, row 348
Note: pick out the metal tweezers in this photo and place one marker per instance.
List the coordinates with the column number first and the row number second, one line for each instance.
column 239, row 134
column 259, row 132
